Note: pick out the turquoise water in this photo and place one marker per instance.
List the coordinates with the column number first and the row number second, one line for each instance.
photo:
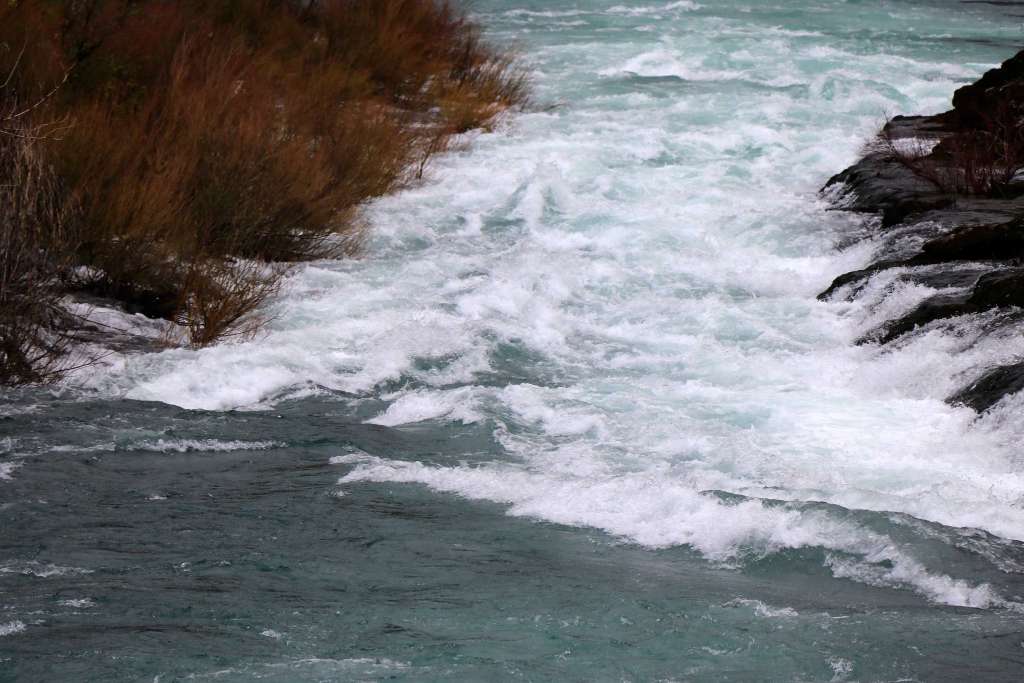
column 575, row 415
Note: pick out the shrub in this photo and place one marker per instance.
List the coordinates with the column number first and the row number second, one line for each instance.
column 211, row 137
column 979, row 160
column 219, row 299
column 985, row 160
column 36, row 240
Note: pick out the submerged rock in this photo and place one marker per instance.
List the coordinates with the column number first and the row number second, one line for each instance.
column 996, row 289
column 1002, row 242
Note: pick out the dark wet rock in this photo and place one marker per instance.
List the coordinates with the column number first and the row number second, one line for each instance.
column 945, row 276
column 857, row 277
column 968, row 248
column 86, row 330
column 902, row 127
column 999, row 289
column 939, row 307
column 966, row 211
column 937, row 276
column 1001, row 242
column 991, row 388
column 973, row 104
column 150, row 301
column 879, row 183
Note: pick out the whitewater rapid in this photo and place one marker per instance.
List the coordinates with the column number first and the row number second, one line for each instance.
column 621, row 285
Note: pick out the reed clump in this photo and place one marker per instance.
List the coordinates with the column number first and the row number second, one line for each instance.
column 192, row 144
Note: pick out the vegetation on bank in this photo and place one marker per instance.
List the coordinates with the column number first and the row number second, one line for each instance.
column 979, row 145
column 177, row 155
column 948, row 192
column 986, row 160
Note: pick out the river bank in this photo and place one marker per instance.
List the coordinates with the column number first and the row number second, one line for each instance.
column 950, row 221
column 176, row 160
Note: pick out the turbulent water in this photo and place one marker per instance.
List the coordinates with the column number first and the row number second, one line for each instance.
column 576, row 413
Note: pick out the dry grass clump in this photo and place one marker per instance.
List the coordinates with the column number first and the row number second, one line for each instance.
column 205, row 139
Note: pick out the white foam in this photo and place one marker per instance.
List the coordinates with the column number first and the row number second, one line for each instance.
column 656, row 10
column 362, row 665
column 322, row 668
column 7, row 469
column 11, row 627
column 190, row 445
column 763, row 610
column 78, row 603
column 841, row 668
column 165, row 445
column 655, row 510
column 940, row 588
column 455, row 406
column 39, row 569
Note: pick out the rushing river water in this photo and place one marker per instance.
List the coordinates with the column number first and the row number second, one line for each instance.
column 575, row 415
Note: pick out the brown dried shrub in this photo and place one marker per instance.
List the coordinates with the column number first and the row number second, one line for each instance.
column 210, row 136
column 972, row 161
column 36, row 242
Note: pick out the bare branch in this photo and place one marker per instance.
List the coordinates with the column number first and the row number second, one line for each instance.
column 41, row 100
column 14, row 68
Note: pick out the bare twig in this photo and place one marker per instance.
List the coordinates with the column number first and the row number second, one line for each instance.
column 14, row 69
column 42, row 100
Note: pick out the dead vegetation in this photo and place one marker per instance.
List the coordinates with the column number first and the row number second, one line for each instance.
column 193, row 143
column 37, row 237
column 982, row 160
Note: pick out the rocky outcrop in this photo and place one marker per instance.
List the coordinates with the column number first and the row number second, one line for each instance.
column 968, row 246
column 995, row 289
column 998, row 88
column 991, row 387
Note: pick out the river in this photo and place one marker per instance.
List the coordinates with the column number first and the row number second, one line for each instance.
column 575, row 414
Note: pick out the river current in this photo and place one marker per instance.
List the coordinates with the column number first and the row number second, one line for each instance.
column 575, row 414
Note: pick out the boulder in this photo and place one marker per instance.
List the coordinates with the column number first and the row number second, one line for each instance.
column 994, row 289
column 990, row 388
column 939, row 307
column 998, row 289
column 1001, row 242
column 878, row 183
column 969, row 248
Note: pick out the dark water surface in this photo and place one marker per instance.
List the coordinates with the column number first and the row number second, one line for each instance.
column 125, row 562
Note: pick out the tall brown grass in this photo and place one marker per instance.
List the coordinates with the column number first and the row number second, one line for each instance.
column 208, row 137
